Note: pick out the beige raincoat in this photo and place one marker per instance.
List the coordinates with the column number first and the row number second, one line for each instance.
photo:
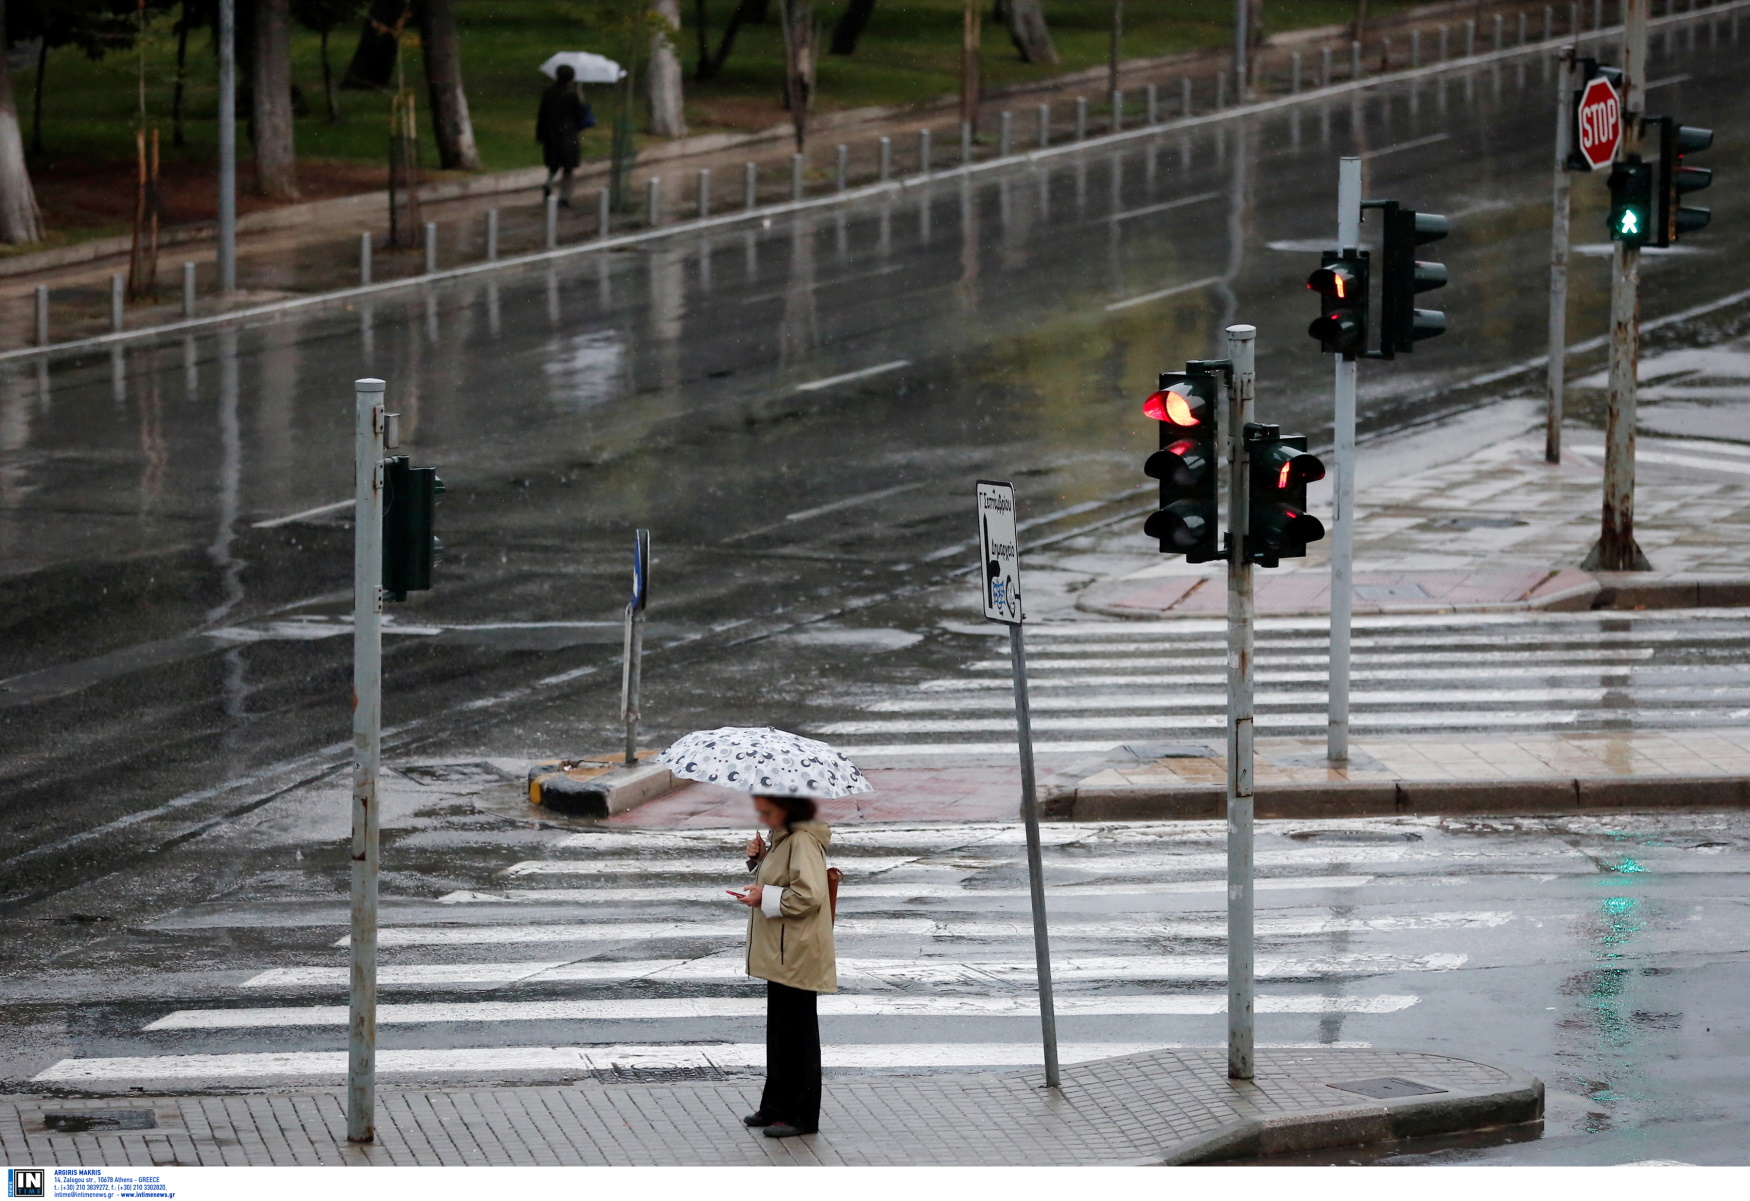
column 789, row 935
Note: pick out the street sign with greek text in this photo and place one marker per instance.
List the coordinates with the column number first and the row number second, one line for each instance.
column 999, row 557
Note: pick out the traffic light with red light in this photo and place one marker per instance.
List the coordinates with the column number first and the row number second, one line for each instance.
column 1279, row 469
column 1676, row 180
column 1188, row 519
column 1402, row 324
column 410, row 545
column 1341, row 282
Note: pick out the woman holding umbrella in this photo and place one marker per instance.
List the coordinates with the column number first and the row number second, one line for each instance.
column 789, row 924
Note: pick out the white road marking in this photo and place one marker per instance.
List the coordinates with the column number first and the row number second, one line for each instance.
column 923, row 891
column 851, row 376
column 733, row 869
column 831, row 1005
column 1140, row 724
column 1162, row 207
column 1409, row 145
column 1194, row 699
column 509, row 1060
column 318, row 511
column 851, row 501
column 1176, row 290
column 1631, row 665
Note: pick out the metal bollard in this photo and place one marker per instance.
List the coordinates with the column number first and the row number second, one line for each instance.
column 844, row 166
column 364, row 258
column 1444, row 31
column 965, row 143
column 1549, row 17
column 1294, row 73
column 1151, row 104
column 430, row 247
column 1117, row 112
column 750, row 186
column 924, row 154
column 1220, row 90
column 1415, row 48
column 1597, row 14
column 492, row 235
column 1574, row 20
column 1500, row 23
column 653, row 202
column 188, row 290
column 1081, row 117
column 116, row 287
column 552, row 222
column 1385, row 55
column 1005, row 130
column 42, row 315
column 604, row 204
column 1325, row 57
column 1185, row 96
column 884, row 159
column 1044, row 125
column 1354, row 60
column 1524, row 21
column 1470, row 37
column 796, row 176
column 704, row 192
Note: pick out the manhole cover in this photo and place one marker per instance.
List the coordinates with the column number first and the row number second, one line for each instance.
column 1383, row 1087
column 1168, row 750
column 652, row 1075
column 453, row 773
column 1390, row 592
column 1478, row 523
column 100, row 1119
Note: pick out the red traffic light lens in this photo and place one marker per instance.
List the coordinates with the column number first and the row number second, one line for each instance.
column 1335, row 281
column 1178, row 408
column 1299, row 468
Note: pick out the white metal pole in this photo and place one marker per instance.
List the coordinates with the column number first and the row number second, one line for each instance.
column 188, row 290
column 1241, row 347
column 227, row 146
column 367, row 747
column 42, row 315
column 1343, row 489
column 491, row 235
column 1560, row 208
column 1035, row 861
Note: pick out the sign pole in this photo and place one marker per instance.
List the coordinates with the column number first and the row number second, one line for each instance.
column 1000, row 576
column 1616, row 549
column 367, row 748
column 632, row 664
column 1560, row 207
column 1343, row 490
column 1241, row 346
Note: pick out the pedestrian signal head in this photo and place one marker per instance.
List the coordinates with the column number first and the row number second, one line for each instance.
column 1341, row 282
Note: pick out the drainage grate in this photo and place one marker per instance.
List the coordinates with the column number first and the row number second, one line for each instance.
column 662, row 1075
column 1390, row 592
column 100, row 1120
column 453, row 773
column 1384, row 1087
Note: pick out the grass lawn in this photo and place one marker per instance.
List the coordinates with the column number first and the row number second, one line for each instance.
column 908, row 54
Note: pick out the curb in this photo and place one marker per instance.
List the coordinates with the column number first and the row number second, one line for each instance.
column 598, row 786
column 1518, row 1103
column 1395, row 798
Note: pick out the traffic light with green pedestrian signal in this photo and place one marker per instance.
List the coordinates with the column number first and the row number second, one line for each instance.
column 1632, row 220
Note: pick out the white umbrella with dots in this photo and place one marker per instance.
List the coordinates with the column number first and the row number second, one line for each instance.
column 590, row 68
column 764, row 761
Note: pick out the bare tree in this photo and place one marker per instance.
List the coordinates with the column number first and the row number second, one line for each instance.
column 275, row 158
column 20, row 220
column 1027, row 30
column 662, row 79
column 798, row 63
column 443, row 80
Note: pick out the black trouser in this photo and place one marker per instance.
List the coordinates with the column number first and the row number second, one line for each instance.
column 792, row 1092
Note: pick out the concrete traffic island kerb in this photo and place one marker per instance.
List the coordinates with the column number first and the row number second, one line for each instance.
column 598, row 785
column 1162, row 1107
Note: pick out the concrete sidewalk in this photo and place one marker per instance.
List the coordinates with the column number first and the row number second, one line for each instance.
column 1160, row 1107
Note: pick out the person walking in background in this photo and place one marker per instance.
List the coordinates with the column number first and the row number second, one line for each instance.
column 789, row 945
column 563, row 117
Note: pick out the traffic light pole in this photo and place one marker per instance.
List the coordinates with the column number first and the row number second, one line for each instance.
column 1241, row 394
column 1616, row 549
column 1560, row 207
column 367, row 747
column 1343, row 489
column 631, row 674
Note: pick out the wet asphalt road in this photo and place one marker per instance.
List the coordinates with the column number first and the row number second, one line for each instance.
column 172, row 662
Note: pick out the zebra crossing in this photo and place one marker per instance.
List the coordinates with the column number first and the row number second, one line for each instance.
column 1362, row 925
column 1099, row 684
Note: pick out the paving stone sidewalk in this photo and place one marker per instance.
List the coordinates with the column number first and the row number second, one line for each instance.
column 1172, row 1106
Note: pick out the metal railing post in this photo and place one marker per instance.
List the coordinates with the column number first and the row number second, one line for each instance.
column 653, row 201
column 117, row 302
column 1005, row 131
column 42, row 315
column 884, row 159
column 1044, row 125
column 1294, row 73
column 925, row 152
column 1081, row 117
column 1561, row 209
column 1117, row 112
column 552, row 238
column 1151, row 101
column 492, row 235
column 365, row 258
column 842, row 167
column 604, row 212
column 188, row 290
column 430, row 247
column 750, row 186
column 704, row 192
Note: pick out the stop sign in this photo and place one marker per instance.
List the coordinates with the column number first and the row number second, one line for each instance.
column 1598, row 123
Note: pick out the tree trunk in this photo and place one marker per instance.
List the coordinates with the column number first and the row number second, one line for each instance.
column 850, row 26
column 275, row 162
column 450, row 123
column 1360, row 29
column 702, row 35
column 971, row 42
column 373, row 62
column 178, row 134
column 798, row 63
column 1027, row 30
column 748, row 12
column 662, row 78
column 328, row 84
column 1116, row 49
column 20, row 220
column 36, row 108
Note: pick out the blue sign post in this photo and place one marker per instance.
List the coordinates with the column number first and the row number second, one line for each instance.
column 632, row 665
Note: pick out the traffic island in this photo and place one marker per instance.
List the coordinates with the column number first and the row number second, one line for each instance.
column 1161, row 1107
column 599, row 785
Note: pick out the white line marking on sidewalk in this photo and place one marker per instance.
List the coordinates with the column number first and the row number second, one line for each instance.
column 1209, row 696
column 318, row 511
column 831, row 1005
column 502, row 1060
column 1193, row 286
column 1660, row 456
column 1409, row 145
column 850, row 376
column 921, row 891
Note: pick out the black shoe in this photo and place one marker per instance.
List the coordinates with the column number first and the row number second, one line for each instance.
column 785, row 1130
column 756, row 1118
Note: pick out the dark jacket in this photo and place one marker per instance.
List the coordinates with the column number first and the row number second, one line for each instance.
column 563, row 116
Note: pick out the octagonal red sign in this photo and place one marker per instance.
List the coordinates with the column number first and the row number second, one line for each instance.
column 1598, row 123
